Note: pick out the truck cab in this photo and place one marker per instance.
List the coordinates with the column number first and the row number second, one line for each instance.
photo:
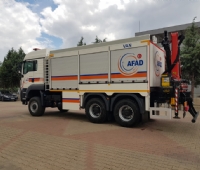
column 32, row 72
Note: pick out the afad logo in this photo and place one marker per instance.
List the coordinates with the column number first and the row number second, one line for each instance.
column 157, row 63
column 128, row 64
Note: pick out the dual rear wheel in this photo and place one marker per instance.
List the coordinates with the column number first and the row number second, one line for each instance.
column 126, row 112
column 96, row 110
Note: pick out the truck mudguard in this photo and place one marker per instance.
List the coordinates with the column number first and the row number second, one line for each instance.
column 35, row 87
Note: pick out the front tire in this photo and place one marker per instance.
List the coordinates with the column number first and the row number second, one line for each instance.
column 35, row 107
column 126, row 113
column 96, row 111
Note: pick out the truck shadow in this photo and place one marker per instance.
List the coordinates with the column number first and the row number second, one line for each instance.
column 70, row 115
column 81, row 117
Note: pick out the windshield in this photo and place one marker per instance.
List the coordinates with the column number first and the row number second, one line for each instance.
column 29, row 66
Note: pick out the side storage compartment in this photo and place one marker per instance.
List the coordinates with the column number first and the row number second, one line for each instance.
column 129, row 65
column 70, row 100
column 94, row 65
column 64, row 72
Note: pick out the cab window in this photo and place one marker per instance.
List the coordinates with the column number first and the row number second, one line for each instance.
column 29, row 66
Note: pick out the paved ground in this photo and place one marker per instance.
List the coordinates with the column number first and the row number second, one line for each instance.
column 69, row 141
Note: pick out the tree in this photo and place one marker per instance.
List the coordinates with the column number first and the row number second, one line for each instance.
column 190, row 56
column 9, row 76
column 80, row 43
column 0, row 69
column 97, row 40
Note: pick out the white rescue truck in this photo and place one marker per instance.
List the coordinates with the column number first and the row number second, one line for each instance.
column 122, row 78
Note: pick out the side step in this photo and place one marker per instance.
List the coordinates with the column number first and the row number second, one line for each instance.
column 160, row 113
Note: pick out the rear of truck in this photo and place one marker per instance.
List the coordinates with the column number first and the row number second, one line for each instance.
column 173, row 90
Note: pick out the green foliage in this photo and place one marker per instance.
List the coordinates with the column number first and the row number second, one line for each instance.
column 9, row 76
column 11, row 90
column 97, row 40
column 190, row 55
column 81, row 43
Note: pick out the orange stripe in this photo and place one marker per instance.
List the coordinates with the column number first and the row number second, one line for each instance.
column 70, row 101
column 147, row 41
column 98, row 77
column 94, row 77
column 132, row 76
column 65, row 78
column 36, row 79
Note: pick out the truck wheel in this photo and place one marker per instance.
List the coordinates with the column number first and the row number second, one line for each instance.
column 96, row 111
column 35, row 107
column 126, row 113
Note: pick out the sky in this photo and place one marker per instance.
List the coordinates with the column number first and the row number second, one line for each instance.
column 57, row 24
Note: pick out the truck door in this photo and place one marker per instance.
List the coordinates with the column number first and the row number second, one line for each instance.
column 29, row 66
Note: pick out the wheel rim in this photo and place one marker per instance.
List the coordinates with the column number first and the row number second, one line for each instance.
column 126, row 113
column 95, row 110
column 34, row 107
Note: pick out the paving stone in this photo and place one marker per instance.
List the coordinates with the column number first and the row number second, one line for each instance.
column 69, row 141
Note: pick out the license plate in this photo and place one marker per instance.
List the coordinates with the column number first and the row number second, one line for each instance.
column 12, row 98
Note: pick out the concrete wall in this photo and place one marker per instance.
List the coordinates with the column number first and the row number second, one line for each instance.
column 196, row 103
column 196, row 91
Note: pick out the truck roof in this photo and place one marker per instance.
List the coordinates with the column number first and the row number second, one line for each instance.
column 45, row 52
column 37, row 54
column 138, row 38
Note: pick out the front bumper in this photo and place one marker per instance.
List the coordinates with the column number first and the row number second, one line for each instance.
column 9, row 99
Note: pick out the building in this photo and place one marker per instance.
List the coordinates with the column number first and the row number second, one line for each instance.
column 159, row 32
column 159, row 35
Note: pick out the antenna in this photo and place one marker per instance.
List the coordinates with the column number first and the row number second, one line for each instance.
column 139, row 25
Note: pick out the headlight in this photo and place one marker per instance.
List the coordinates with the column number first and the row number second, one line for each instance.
column 5, row 96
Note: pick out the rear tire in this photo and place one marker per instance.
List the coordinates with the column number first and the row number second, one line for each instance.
column 126, row 113
column 35, row 107
column 96, row 111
